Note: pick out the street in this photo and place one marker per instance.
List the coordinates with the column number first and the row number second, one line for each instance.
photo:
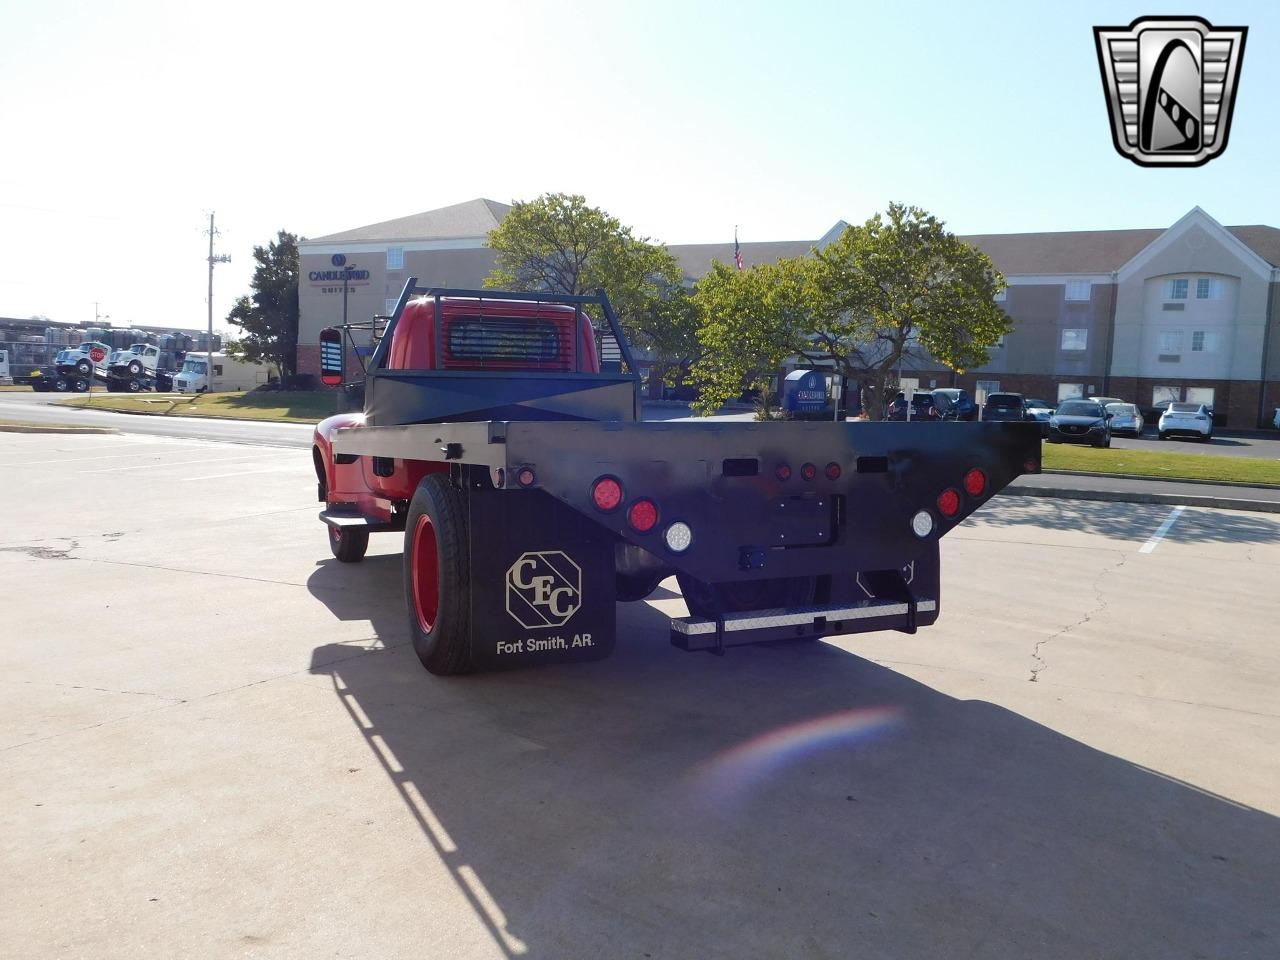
column 38, row 408
column 217, row 742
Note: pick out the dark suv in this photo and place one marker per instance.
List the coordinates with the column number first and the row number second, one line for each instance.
column 922, row 407
column 1005, row 407
column 952, row 403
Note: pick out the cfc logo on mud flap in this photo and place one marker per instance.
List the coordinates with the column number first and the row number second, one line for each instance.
column 544, row 589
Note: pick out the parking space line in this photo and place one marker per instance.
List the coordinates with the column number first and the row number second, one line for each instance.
column 284, row 468
column 183, row 463
column 1161, row 530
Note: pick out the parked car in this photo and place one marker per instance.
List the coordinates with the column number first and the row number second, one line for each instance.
column 1107, row 401
column 1005, row 407
column 1041, row 411
column 1125, row 418
column 952, row 403
column 1080, row 421
column 1186, row 419
column 922, row 407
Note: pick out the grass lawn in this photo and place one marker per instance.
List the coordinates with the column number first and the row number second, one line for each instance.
column 1141, row 463
column 289, row 407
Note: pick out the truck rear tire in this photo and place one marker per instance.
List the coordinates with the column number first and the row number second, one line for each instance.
column 80, row 385
column 348, row 543
column 630, row 587
column 710, row 599
column 437, row 589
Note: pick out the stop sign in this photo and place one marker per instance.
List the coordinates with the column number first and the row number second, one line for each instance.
column 97, row 354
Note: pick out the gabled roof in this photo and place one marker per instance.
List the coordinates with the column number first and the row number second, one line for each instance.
column 1262, row 240
column 469, row 220
column 695, row 258
column 1077, row 251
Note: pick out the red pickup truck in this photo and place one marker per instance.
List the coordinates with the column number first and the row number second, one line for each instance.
column 500, row 436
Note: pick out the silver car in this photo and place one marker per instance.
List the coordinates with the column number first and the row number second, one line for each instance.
column 1125, row 418
column 1187, row 419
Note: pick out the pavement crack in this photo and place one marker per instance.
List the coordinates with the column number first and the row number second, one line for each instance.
column 1038, row 662
column 123, row 693
column 37, row 552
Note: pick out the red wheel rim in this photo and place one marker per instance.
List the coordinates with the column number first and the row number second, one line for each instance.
column 426, row 574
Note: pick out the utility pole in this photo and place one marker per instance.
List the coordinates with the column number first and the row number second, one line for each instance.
column 221, row 258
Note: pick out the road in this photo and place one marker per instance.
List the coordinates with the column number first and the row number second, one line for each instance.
column 215, row 742
column 36, row 407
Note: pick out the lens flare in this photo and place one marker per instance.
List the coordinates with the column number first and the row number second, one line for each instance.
column 731, row 774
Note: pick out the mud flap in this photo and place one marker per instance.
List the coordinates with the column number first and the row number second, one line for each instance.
column 542, row 582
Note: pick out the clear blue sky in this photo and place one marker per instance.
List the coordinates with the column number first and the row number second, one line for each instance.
column 126, row 126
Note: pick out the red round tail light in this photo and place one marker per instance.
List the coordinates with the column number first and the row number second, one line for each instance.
column 975, row 482
column 782, row 471
column 833, row 471
column 606, row 494
column 643, row 515
column 949, row 503
column 808, row 471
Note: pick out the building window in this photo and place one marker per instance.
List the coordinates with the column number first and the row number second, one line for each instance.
column 217, row 369
column 1070, row 391
column 1208, row 288
column 1176, row 289
column 1078, row 289
column 1170, row 341
column 395, row 258
column 1075, row 339
column 984, row 389
column 1200, row 395
column 1204, row 341
column 1003, row 295
column 390, row 307
column 1161, row 395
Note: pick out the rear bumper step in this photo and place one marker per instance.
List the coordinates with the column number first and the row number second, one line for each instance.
column 757, row 626
column 341, row 520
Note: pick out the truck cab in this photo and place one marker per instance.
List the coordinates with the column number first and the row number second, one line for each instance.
column 84, row 360
column 141, row 359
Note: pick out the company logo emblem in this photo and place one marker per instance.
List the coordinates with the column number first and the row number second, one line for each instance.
column 543, row 589
column 1170, row 84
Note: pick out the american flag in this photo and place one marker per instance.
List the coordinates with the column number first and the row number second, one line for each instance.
column 737, row 250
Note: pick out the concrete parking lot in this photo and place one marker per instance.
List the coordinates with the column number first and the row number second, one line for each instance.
column 216, row 743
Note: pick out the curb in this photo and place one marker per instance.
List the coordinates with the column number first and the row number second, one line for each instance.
column 52, row 428
column 179, row 416
column 1170, row 499
column 1139, row 476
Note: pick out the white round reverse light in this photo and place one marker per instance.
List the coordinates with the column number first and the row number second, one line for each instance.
column 679, row 537
column 922, row 523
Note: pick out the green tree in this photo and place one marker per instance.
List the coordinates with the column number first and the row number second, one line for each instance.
column 667, row 328
column 752, row 320
column 900, row 287
column 269, row 316
column 558, row 244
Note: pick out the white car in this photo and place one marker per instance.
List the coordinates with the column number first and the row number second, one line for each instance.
column 1186, row 419
column 1125, row 418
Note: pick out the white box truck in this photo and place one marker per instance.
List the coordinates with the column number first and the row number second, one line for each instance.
column 229, row 374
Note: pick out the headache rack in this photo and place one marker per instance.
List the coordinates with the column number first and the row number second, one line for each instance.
column 610, row 343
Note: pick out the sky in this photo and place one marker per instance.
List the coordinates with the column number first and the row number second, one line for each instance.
column 126, row 124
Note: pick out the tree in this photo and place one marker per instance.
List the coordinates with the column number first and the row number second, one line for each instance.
column 668, row 329
column 752, row 320
column 559, row 244
column 269, row 317
column 901, row 287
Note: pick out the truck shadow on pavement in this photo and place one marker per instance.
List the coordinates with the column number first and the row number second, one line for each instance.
column 1128, row 521
column 789, row 800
